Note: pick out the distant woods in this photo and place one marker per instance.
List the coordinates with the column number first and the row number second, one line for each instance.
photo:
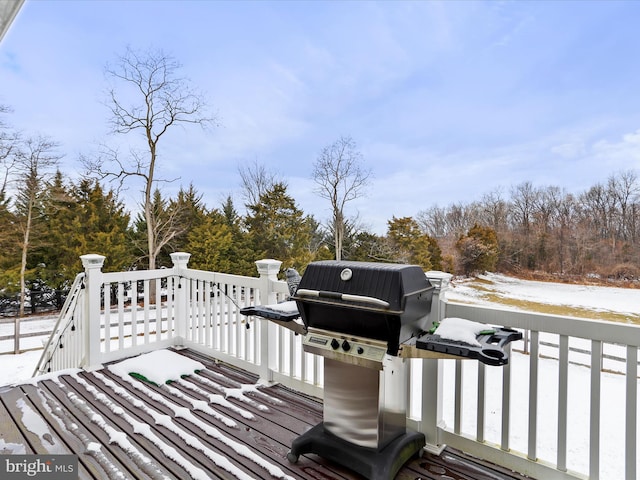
column 549, row 230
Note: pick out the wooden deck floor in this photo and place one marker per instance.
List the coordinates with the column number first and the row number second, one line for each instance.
column 204, row 428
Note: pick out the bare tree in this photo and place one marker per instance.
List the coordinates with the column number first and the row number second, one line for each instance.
column 256, row 180
column 460, row 218
column 523, row 200
column 624, row 188
column 433, row 221
column 340, row 178
column 150, row 98
column 9, row 143
column 567, row 225
column 8, row 155
column 495, row 210
column 9, row 148
column 35, row 163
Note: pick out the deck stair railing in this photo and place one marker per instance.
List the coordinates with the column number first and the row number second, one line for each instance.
column 522, row 416
column 65, row 346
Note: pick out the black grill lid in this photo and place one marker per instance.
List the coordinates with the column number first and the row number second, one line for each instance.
column 389, row 282
column 384, row 301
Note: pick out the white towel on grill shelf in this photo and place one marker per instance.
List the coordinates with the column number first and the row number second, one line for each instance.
column 289, row 306
column 460, row 330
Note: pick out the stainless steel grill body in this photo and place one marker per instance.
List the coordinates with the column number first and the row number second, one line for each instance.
column 365, row 406
column 364, row 394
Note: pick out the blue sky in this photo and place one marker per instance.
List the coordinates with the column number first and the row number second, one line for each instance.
column 446, row 101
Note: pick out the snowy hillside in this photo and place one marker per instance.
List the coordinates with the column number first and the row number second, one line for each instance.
column 495, row 289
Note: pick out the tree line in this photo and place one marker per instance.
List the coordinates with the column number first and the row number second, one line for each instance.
column 69, row 219
column 534, row 229
column 547, row 229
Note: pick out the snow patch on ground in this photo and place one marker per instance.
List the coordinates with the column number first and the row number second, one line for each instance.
column 18, row 368
column 591, row 297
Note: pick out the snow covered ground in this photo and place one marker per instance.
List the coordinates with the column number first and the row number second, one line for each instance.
column 29, row 325
column 16, row 368
column 587, row 297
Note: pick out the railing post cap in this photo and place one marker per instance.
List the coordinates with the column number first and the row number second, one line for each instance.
column 92, row 260
column 180, row 258
column 268, row 266
column 438, row 278
column 438, row 274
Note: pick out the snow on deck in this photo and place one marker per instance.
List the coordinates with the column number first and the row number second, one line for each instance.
column 209, row 421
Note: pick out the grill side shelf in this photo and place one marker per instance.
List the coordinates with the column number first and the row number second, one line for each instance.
column 490, row 352
column 286, row 319
column 269, row 313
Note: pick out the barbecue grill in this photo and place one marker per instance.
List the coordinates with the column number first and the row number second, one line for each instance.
column 365, row 319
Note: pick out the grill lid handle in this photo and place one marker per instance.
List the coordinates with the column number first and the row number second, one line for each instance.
column 303, row 292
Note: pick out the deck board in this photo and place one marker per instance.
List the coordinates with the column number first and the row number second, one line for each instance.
column 66, row 431
column 11, row 438
column 137, row 430
column 108, row 457
column 121, row 426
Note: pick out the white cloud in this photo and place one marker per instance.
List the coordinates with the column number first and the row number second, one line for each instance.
column 621, row 154
column 569, row 150
column 632, row 138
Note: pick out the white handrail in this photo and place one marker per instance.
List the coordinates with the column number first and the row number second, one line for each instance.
column 65, row 322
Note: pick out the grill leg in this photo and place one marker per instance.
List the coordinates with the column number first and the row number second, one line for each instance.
column 373, row 464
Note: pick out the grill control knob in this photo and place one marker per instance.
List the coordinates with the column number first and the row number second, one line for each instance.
column 360, row 350
column 335, row 344
column 345, row 346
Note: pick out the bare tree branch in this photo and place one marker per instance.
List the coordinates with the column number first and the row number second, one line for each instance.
column 147, row 95
column 9, row 147
column 35, row 162
column 340, row 178
column 256, row 180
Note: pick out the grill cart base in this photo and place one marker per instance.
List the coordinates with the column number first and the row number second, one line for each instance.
column 371, row 463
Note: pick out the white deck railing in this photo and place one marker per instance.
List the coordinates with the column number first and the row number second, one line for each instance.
column 565, row 405
column 502, row 414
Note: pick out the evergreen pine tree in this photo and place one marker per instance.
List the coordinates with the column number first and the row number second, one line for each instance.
column 478, row 250
column 279, row 229
column 411, row 245
column 220, row 244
